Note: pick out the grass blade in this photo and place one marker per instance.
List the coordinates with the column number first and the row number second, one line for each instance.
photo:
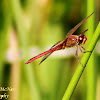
column 80, row 69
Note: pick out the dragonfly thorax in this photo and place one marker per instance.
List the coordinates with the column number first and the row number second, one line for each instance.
column 82, row 39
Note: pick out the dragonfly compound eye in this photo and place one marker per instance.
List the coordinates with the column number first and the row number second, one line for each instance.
column 82, row 39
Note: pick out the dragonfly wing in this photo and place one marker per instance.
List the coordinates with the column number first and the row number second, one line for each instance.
column 38, row 56
column 45, row 57
column 77, row 26
column 47, row 53
column 58, row 43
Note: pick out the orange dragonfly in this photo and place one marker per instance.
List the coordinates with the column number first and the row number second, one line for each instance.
column 70, row 41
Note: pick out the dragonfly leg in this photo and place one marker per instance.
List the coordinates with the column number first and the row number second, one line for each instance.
column 83, row 32
column 77, row 55
column 80, row 49
column 83, row 49
column 86, row 51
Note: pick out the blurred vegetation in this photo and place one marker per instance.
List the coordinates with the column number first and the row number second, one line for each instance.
column 29, row 27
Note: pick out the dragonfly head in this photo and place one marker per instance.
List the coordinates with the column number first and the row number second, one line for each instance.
column 82, row 39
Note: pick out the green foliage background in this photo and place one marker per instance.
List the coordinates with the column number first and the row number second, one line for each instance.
column 26, row 24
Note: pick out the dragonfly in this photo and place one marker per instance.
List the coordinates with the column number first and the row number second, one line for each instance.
column 70, row 41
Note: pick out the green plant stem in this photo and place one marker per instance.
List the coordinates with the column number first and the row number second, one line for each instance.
column 5, row 23
column 91, row 79
column 24, row 41
column 80, row 69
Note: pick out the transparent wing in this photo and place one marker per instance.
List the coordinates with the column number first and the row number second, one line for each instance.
column 77, row 26
column 47, row 55
column 58, row 43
